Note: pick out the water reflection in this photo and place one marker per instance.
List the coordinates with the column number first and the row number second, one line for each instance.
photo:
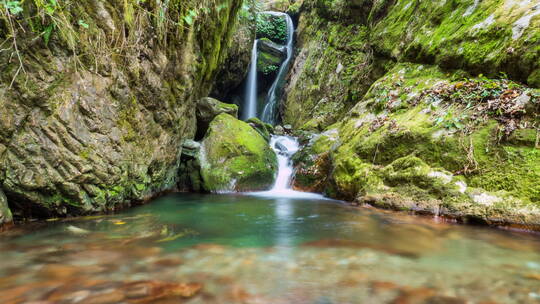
column 250, row 249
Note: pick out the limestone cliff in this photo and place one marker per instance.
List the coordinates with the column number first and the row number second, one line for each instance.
column 96, row 97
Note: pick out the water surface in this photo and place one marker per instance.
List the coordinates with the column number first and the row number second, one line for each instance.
column 256, row 249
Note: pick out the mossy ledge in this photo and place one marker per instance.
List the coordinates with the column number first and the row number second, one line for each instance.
column 427, row 141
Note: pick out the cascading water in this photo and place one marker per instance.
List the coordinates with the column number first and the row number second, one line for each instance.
column 285, row 147
column 250, row 100
column 269, row 114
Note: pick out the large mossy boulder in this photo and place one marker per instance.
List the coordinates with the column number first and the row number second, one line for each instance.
column 5, row 213
column 235, row 157
column 344, row 46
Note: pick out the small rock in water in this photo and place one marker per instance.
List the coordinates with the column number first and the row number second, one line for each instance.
column 278, row 130
column 281, row 147
column 287, row 128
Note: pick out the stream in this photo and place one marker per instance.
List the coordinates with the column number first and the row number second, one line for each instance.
column 278, row 246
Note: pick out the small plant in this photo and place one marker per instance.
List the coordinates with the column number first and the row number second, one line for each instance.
column 271, row 27
column 449, row 121
column 14, row 7
column 269, row 69
column 190, row 17
column 83, row 24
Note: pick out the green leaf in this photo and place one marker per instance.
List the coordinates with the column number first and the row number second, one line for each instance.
column 188, row 19
column 47, row 33
column 83, row 24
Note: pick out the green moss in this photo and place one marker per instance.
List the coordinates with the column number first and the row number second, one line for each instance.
column 335, row 68
column 399, row 146
column 268, row 63
column 236, row 157
column 458, row 35
column 353, row 176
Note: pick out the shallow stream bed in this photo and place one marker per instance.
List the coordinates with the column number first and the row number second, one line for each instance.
column 254, row 249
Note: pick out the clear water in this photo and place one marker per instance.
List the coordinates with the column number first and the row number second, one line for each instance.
column 256, row 249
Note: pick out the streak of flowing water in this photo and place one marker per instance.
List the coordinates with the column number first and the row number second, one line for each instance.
column 285, row 147
column 269, row 114
column 250, row 100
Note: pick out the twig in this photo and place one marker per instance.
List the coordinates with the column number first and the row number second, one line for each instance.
column 16, row 47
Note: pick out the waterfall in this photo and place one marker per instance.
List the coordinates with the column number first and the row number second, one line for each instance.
column 250, row 106
column 250, row 100
column 285, row 147
column 269, row 114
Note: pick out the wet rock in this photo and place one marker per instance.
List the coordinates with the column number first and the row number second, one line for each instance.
column 59, row 271
column 76, row 230
column 207, row 109
column 270, row 57
column 271, row 48
column 147, row 291
column 333, row 243
column 445, row 300
column 263, row 128
column 278, row 130
column 191, row 148
column 5, row 212
column 106, row 297
column 235, row 157
column 190, row 167
column 235, row 67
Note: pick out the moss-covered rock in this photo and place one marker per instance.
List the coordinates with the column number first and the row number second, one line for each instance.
column 263, row 128
column 345, row 46
column 235, row 65
column 235, row 157
column 270, row 56
column 94, row 114
column 5, row 212
column 488, row 37
column 333, row 69
column 432, row 142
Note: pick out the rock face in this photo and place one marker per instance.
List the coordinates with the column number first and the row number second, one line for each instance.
column 235, row 157
column 207, row 109
column 5, row 213
column 344, row 46
column 235, row 66
column 406, row 121
column 96, row 114
column 271, row 56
